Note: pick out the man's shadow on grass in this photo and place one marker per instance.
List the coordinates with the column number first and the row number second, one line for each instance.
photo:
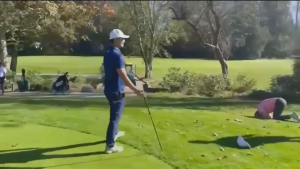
column 32, row 154
column 253, row 140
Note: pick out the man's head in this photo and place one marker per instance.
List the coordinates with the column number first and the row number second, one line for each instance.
column 117, row 38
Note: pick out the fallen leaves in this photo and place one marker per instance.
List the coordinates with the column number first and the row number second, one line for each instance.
column 238, row 120
column 221, row 158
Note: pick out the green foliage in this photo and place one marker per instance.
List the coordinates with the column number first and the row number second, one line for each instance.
column 37, row 82
column 10, row 75
column 34, row 77
column 79, row 81
column 243, row 83
column 287, row 83
column 207, row 85
column 284, row 83
column 296, row 68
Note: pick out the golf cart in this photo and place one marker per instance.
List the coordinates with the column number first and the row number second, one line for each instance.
column 131, row 69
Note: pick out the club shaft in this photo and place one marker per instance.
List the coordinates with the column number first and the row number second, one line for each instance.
column 152, row 122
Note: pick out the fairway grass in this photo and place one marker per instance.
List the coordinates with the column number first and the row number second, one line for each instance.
column 261, row 70
column 192, row 131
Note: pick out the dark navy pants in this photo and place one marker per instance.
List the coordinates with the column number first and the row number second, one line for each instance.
column 116, row 102
column 278, row 109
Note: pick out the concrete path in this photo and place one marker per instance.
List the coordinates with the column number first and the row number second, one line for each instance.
column 55, row 74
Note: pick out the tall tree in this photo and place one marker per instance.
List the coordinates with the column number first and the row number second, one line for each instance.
column 44, row 22
column 150, row 23
column 297, row 10
column 206, row 24
column 277, row 18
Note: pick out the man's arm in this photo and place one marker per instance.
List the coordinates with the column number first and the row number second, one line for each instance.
column 122, row 73
column 4, row 72
column 268, row 116
column 126, row 80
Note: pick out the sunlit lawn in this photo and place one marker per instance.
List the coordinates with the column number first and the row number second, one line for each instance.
column 186, row 126
column 262, row 70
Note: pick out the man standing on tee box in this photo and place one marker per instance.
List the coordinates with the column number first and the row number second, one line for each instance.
column 114, row 84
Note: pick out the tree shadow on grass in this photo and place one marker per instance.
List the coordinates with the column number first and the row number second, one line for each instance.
column 10, row 125
column 32, row 154
column 253, row 140
column 69, row 164
column 194, row 103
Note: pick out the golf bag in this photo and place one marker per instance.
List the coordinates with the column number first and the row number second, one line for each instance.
column 61, row 84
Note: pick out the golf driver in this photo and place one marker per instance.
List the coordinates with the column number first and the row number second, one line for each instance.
column 152, row 122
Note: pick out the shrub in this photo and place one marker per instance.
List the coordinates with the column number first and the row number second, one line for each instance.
column 37, row 82
column 174, row 80
column 34, row 77
column 242, row 83
column 296, row 68
column 79, row 81
column 208, row 85
column 262, row 94
column 10, row 73
column 285, row 83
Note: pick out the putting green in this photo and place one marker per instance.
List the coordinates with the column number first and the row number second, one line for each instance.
column 28, row 146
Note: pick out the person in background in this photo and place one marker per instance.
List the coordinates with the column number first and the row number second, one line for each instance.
column 131, row 72
column 2, row 78
column 131, row 75
column 272, row 108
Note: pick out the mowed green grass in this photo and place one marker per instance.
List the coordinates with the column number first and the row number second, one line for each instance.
column 192, row 131
column 262, row 70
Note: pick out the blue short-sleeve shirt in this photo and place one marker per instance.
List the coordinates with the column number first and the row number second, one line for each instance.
column 113, row 60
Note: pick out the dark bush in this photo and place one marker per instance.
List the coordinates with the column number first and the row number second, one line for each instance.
column 296, row 68
column 262, row 94
column 285, row 83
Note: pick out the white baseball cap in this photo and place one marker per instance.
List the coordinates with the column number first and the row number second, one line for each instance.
column 117, row 33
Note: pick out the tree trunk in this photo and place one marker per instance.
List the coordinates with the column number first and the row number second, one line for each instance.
column 14, row 59
column 219, row 56
column 3, row 48
column 148, row 69
column 297, row 15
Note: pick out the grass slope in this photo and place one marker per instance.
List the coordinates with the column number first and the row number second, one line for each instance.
column 186, row 126
column 262, row 70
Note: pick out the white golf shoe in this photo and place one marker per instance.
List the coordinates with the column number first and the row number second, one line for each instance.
column 115, row 149
column 295, row 117
column 119, row 134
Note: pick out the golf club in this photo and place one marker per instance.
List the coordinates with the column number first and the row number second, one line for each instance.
column 152, row 122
